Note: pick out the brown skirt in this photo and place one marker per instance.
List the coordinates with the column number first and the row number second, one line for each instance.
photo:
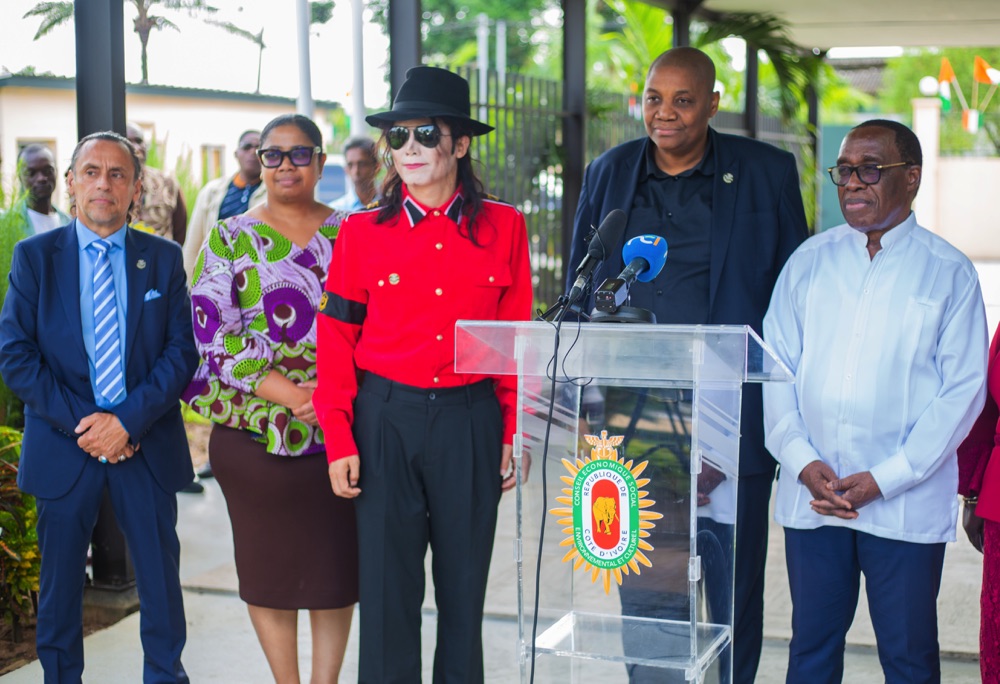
column 296, row 541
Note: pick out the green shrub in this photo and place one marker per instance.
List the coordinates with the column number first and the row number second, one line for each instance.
column 20, row 561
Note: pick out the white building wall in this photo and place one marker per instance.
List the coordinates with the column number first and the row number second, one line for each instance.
column 181, row 125
column 969, row 216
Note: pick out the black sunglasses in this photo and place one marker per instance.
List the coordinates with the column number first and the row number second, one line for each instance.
column 869, row 174
column 272, row 157
column 428, row 135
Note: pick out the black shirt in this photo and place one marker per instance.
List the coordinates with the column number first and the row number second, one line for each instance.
column 679, row 208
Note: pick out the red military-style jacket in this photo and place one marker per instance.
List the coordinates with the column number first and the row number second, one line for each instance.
column 394, row 293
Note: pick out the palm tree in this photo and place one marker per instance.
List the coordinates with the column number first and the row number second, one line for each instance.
column 795, row 69
column 56, row 13
column 641, row 32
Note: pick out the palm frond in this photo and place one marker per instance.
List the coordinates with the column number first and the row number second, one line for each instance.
column 765, row 31
column 52, row 13
column 255, row 38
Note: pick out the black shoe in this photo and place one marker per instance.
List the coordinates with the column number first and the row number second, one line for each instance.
column 205, row 472
column 193, row 487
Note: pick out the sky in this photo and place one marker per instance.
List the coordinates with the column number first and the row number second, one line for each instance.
column 204, row 56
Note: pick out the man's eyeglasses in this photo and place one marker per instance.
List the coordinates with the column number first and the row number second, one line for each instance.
column 869, row 174
column 272, row 157
column 246, row 147
column 428, row 135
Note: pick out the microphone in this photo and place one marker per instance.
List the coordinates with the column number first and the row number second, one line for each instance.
column 645, row 256
column 608, row 235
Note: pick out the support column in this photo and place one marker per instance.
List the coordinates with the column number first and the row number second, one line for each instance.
column 100, row 106
column 575, row 121
column 681, row 14
column 927, row 126
column 404, row 40
column 751, row 90
column 100, row 66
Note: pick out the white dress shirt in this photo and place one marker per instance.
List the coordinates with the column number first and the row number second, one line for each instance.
column 889, row 357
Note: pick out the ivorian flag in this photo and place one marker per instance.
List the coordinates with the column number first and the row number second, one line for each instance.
column 945, row 77
column 981, row 71
column 971, row 119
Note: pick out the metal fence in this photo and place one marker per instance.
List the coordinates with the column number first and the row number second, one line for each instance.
column 521, row 161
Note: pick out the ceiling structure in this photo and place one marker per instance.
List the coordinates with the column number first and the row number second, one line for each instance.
column 826, row 24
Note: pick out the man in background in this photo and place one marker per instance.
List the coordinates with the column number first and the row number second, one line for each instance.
column 37, row 173
column 161, row 208
column 362, row 168
column 225, row 197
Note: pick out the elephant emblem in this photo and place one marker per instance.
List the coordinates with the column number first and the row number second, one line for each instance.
column 605, row 513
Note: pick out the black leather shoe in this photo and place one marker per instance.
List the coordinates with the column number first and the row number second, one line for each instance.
column 193, row 487
column 205, row 472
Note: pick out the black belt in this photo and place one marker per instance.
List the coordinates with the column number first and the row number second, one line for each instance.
column 465, row 394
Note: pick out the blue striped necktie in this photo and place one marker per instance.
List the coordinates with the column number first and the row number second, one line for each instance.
column 107, row 354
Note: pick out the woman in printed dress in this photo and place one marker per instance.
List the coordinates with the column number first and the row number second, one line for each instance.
column 256, row 288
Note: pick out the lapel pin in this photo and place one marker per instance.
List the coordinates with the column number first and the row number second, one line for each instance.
column 394, row 279
column 141, row 263
column 727, row 178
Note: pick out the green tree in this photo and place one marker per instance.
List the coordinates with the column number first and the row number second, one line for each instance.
column 54, row 14
column 901, row 85
column 448, row 28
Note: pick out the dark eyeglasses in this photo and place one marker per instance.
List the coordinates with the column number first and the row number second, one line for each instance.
column 428, row 135
column 246, row 147
column 869, row 174
column 272, row 157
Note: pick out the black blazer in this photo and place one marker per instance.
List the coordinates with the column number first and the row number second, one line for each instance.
column 757, row 222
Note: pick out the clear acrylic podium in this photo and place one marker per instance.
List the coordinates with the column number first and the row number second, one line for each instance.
column 629, row 523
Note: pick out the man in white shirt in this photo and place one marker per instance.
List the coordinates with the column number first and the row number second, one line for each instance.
column 883, row 325
column 37, row 171
column 362, row 165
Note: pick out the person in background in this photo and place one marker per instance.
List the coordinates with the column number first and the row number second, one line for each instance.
column 37, row 173
column 979, row 485
column 161, row 210
column 95, row 338
column 424, row 452
column 225, row 197
column 883, row 326
column 362, row 168
column 256, row 288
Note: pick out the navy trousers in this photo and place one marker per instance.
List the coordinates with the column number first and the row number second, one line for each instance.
column 430, row 473
column 148, row 518
column 902, row 581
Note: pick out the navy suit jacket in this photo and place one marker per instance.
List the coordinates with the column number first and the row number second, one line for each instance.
column 44, row 362
column 757, row 222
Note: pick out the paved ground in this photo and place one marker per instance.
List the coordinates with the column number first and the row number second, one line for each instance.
column 222, row 647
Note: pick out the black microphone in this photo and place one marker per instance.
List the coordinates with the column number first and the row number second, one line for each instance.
column 608, row 235
column 645, row 256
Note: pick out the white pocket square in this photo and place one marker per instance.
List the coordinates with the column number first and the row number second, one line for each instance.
column 151, row 295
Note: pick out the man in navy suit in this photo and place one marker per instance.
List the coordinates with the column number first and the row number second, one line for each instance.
column 119, row 429
column 731, row 211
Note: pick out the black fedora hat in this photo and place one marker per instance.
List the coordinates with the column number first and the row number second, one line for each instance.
column 430, row 92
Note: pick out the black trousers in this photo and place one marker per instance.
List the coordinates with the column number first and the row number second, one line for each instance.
column 430, row 472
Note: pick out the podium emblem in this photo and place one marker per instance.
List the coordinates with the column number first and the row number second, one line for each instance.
column 604, row 514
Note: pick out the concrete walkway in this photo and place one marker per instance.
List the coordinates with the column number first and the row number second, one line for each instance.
column 223, row 648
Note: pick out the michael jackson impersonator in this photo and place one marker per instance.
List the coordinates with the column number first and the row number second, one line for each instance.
column 424, row 452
